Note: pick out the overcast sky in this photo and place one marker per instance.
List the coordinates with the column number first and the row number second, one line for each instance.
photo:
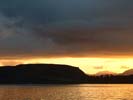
column 66, row 28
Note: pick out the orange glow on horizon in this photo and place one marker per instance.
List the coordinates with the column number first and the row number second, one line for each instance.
column 88, row 65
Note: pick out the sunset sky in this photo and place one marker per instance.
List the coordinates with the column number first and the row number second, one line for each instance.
column 94, row 35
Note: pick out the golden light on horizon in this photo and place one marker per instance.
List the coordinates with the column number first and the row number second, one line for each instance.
column 88, row 65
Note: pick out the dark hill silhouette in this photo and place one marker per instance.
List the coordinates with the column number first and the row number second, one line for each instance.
column 54, row 74
column 128, row 72
column 41, row 73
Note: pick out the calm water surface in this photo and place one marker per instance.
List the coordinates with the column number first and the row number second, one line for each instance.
column 68, row 92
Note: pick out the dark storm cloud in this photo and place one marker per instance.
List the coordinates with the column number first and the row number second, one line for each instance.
column 66, row 28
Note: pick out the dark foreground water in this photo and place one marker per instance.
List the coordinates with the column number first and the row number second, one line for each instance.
column 68, row 92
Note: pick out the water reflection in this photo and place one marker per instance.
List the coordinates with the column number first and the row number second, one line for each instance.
column 67, row 92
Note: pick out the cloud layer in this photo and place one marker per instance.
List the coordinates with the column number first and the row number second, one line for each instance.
column 64, row 28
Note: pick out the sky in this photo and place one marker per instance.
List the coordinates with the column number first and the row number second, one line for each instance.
column 94, row 35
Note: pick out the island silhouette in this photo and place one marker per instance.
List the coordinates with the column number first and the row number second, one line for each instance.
column 56, row 74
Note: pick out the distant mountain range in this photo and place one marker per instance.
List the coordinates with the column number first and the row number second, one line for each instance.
column 105, row 73
column 128, row 72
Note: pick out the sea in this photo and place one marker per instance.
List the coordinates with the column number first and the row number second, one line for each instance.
column 67, row 92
